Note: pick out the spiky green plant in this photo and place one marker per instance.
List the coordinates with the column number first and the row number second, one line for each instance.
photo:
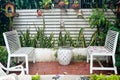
column 80, row 41
column 25, row 38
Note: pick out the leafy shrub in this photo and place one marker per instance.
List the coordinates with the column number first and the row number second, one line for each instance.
column 3, row 55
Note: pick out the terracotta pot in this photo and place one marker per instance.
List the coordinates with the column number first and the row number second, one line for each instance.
column 39, row 12
column 46, row 7
column 75, row 6
column 61, row 4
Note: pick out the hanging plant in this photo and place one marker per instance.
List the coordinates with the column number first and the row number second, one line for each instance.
column 47, row 4
column 39, row 12
column 75, row 5
column 62, row 3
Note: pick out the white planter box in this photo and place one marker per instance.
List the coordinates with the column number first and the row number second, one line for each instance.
column 47, row 54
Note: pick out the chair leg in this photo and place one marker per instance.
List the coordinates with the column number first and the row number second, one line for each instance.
column 8, row 63
column 27, row 64
column 107, row 59
column 91, row 64
column 87, row 58
column 115, row 69
column 33, row 57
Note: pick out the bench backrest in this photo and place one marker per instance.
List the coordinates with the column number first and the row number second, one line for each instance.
column 111, row 41
column 11, row 41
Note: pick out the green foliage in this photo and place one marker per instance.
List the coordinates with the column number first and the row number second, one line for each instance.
column 4, row 23
column 39, row 39
column 98, row 20
column 81, row 39
column 66, row 2
column 44, row 41
column 36, row 77
column 3, row 55
column 25, row 38
column 104, row 77
column 45, row 3
column 67, row 40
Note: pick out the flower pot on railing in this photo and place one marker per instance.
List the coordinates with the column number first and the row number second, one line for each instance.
column 64, row 55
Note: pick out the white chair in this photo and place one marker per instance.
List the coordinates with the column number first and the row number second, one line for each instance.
column 15, row 68
column 107, row 50
column 15, row 50
column 13, row 76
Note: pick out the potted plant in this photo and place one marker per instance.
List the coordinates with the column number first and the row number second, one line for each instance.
column 45, row 4
column 63, row 3
column 39, row 12
column 75, row 5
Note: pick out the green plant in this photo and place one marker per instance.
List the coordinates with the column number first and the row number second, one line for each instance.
column 4, row 23
column 67, row 40
column 63, row 3
column 39, row 39
column 25, row 38
column 3, row 55
column 36, row 77
column 98, row 20
column 43, row 41
column 104, row 77
column 75, row 5
column 81, row 39
column 45, row 3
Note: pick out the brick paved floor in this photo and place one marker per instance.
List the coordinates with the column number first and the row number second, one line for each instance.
column 76, row 68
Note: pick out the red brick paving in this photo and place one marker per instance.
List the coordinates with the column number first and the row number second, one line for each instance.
column 75, row 68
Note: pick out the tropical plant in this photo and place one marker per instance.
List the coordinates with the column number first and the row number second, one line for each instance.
column 99, row 21
column 67, row 40
column 25, row 39
column 45, row 4
column 39, row 39
column 3, row 55
column 64, row 40
column 81, row 39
